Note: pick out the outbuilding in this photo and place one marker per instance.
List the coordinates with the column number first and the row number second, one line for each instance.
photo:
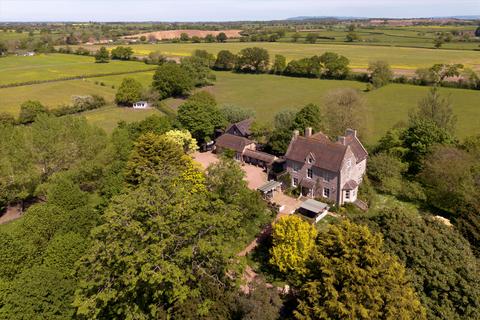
column 141, row 105
column 313, row 209
column 268, row 189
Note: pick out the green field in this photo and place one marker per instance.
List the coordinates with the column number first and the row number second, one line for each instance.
column 268, row 94
column 6, row 36
column 391, row 36
column 54, row 66
column 107, row 118
column 50, row 94
column 359, row 55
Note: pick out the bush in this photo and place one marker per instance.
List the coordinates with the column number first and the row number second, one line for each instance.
column 29, row 110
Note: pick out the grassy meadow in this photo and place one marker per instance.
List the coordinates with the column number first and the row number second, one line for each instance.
column 266, row 94
column 401, row 58
column 17, row 69
column 51, row 94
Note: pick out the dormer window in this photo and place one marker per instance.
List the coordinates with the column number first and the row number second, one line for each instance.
column 310, row 160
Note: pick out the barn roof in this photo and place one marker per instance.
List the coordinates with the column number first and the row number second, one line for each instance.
column 230, row 141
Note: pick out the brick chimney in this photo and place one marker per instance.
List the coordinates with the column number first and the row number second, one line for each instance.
column 296, row 133
column 341, row 140
column 308, row 132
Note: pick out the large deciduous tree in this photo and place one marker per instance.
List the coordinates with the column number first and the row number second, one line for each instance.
column 222, row 37
column 334, row 65
column 201, row 117
column 293, row 241
column 351, row 277
column 172, row 80
column 102, row 55
column 129, row 92
column 345, row 109
column 253, row 60
column 309, row 116
column 279, row 64
column 380, row 73
column 438, row 109
column 225, row 60
column 61, row 143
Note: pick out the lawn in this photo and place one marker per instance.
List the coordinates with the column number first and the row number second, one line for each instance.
column 54, row 66
column 268, row 94
column 107, row 118
column 359, row 55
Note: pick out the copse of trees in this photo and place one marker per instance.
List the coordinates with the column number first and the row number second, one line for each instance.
column 329, row 65
column 443, row 256
column 155, row 57
column 209, row 210
column 121, row 53
column 102, row 55
column 198, row 66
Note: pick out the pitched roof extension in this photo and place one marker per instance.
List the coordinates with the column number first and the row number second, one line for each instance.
column 243, row 126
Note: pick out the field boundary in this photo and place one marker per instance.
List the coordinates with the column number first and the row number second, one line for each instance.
column 97, row 75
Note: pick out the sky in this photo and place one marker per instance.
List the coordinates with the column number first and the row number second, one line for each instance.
column 226, row 10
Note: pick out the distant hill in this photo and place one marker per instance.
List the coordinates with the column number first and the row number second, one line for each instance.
column 301, row 18
column 466, row 17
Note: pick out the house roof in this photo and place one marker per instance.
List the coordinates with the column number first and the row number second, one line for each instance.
column 242, row 126
column 262, row 156
column 233, row 142
column 328, row 155
column 350, row 185
column 357, row 147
